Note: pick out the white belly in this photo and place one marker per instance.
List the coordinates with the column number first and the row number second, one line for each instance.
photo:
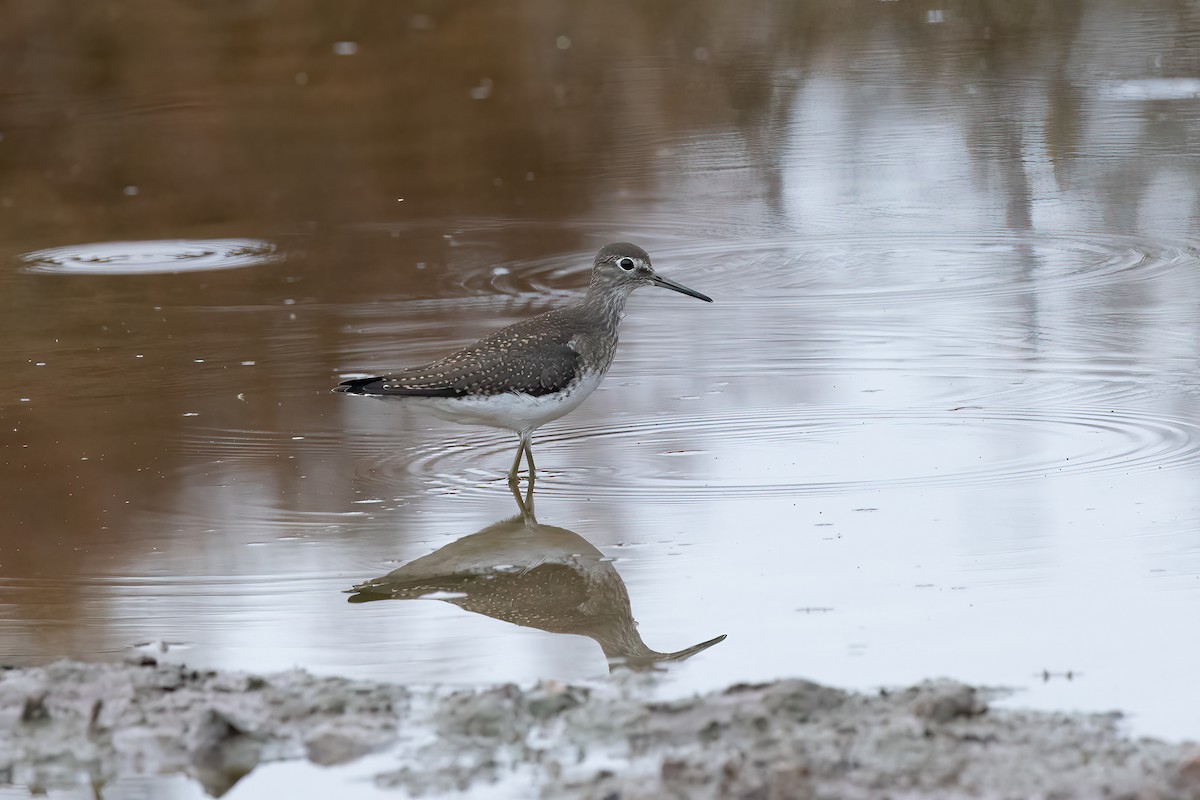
column 516, row 412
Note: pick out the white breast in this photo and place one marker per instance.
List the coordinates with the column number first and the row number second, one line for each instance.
column 516, row 412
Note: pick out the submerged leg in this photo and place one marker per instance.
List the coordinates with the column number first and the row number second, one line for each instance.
column 524, row 503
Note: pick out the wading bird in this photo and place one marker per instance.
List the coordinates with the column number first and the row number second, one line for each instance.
column 535, row 370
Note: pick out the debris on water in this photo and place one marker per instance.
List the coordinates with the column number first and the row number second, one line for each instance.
column 483, row 91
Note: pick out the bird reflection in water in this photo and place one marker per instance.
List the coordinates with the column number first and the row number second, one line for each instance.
column 538, row 576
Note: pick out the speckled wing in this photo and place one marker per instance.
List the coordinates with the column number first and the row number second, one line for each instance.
column 525, row 358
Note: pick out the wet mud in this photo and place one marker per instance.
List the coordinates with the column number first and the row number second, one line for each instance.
column 69, row 722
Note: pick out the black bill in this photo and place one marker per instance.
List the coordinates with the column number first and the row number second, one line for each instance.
column 667, row 283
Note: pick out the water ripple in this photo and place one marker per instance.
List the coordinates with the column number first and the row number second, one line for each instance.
column 797, row 450
column 846, row 267
column 808, row 451
column 149, row 257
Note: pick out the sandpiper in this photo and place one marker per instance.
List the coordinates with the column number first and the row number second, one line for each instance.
column 535, row 370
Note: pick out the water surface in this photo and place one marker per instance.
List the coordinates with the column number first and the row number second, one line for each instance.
column 942, row 419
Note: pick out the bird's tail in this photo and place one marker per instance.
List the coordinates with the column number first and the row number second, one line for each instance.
column 355, row 385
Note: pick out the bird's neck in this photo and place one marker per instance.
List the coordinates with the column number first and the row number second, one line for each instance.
column 606, row 303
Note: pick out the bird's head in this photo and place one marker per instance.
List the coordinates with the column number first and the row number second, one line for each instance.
column 621, row 267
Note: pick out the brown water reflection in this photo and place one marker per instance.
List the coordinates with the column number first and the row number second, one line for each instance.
column 949, row 388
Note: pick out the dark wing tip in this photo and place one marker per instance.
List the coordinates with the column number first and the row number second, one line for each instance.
column 379, row 386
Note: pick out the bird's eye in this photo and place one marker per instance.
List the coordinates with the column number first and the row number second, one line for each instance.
column 626, row 264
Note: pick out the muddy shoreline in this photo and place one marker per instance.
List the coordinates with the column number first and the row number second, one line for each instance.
column 786, row 739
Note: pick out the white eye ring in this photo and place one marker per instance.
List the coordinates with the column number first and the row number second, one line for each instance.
column 626, row 264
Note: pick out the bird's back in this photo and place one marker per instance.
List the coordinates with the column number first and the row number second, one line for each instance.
column 543, row 354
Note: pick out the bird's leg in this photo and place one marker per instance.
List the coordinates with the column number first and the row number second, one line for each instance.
column 512, row 473
column 529, row 457
column 523, row 448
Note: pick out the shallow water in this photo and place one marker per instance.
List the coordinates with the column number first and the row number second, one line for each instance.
column 942, row 419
